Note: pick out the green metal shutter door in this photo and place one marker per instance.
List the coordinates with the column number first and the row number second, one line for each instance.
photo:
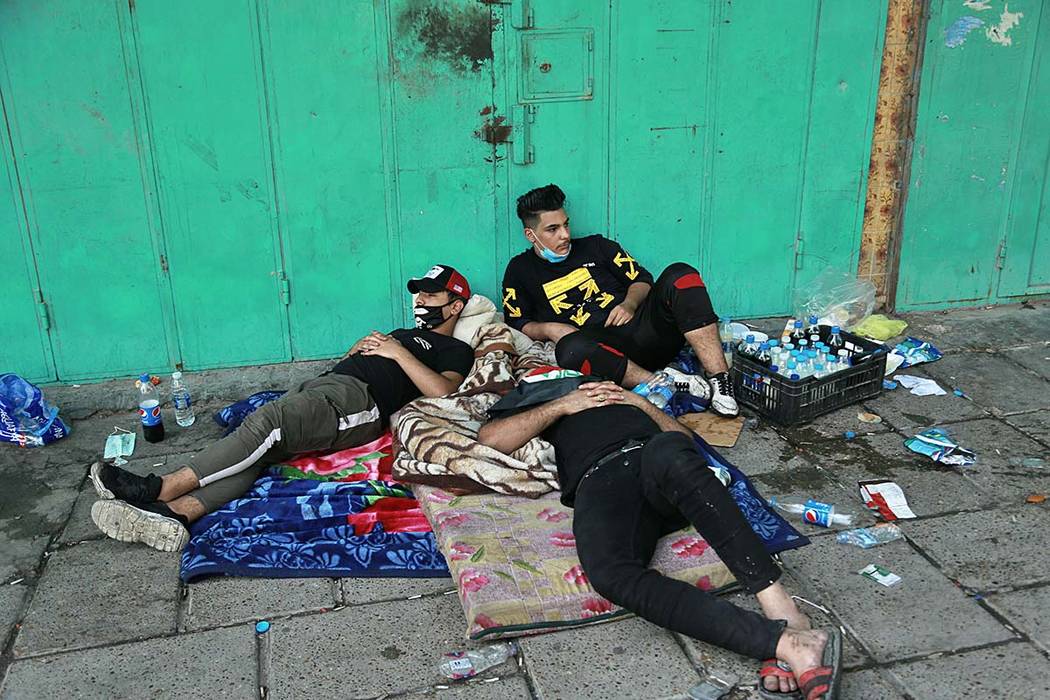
column 76, row 143
column 208, row 120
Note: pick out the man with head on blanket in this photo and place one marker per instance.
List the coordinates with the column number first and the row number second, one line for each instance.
column 633, row 475
column 345, row 407
column 603, row 309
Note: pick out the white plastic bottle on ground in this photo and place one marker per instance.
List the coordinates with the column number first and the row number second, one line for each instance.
column 180, row 399
column 469, row 663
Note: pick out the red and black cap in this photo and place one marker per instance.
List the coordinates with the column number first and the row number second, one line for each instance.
column 438, row 278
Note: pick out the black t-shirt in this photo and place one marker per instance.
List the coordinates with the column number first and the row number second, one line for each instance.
column 581, row 290
column 387, row 382
column 583, row 438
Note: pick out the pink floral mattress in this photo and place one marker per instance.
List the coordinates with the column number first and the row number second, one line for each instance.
column 515, row 566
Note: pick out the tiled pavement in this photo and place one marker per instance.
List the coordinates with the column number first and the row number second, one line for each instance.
column 82, row 616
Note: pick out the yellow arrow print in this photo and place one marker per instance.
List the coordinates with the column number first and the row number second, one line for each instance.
column 558, row 303
column 625, row 258
column 580, row 317
column 511, row 295
column 589, row 288
column 605, row 299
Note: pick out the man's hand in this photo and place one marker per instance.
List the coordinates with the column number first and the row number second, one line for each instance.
column 620, row 315
column 590, row 395
column 382, row 345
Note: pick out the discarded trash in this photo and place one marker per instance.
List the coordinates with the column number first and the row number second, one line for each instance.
column 880, row 575
column 879, row 327
column 893, row 363
column 1028, row 462
column 1032, row 498
column 262, row 651
column 119, row 444
column 181, row 401
column 26, row 419
column 868, row 537
column 712, row 687
column 915, row 352
column 889, row 384
column 149, row 409
column 836, row 298
column 467, row 664
column 865, row 417
column 849, row 434
column 885, row 497
column 935, row 444
column 959, row 393
column 920, row 386
column 815, row 512
column 16, row 581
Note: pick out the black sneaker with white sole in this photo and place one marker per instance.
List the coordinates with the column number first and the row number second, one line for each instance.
column 153, row 524
column 114, row 482
column 723, row 396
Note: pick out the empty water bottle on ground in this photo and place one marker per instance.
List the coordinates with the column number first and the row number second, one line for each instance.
column 814, row 512
column 180, row 399
column 868, row 537
column 149, row 410
column 467, row 664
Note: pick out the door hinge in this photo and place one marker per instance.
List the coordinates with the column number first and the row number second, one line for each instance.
column 285, row 289
column 1000, row 255
column 164, row 264
column 45, row 317
column 522, row 16
column 800, row 247
column 522, row 117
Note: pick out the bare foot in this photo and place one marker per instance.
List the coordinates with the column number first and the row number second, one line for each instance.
column 803, row 649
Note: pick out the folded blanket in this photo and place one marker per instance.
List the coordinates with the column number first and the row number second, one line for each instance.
column 439, row 436
column 337, row 515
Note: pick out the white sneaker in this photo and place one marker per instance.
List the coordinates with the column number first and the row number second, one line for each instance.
column 690, row 383
column 723, row 398
column 127, row 523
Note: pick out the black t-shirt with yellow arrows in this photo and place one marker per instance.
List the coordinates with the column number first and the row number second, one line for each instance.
column 581, row 290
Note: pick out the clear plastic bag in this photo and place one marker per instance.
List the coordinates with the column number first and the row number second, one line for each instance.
column 836, row 298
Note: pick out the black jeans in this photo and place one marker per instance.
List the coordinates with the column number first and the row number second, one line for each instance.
column 677, row 303
column 626, row 505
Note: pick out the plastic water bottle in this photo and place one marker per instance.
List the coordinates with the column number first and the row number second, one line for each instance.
column 725, row 332
column 813, row 328
column 149, row 410
column 868, row 537
column 661, row 389
column 820, row 371
column 798, row 334
column 763, row 354
column 467, row 664
column 814, row 512
column 749, row 347
column 835, row 341
column 180, row 399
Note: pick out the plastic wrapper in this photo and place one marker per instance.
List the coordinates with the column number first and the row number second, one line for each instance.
column 836, row 298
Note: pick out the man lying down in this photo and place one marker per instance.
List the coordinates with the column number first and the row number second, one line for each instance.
column 633, row 475
column 348, row 406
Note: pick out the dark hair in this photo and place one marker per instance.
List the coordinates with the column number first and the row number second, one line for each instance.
column 541, row 199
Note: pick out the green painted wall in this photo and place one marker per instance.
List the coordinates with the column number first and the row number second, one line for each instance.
column 977, row 219
column 250, row 181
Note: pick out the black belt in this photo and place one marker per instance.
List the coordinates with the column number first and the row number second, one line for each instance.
column 628, row 446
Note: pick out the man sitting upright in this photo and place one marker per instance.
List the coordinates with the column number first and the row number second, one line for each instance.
column 346, row 407
column 603, row 309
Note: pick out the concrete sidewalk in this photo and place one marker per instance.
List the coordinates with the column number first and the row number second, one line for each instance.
column 84, row 616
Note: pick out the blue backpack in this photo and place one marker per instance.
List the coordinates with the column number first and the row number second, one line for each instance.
column 26, row 419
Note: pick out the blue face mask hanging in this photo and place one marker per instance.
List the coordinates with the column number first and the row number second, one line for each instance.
column 549, row 255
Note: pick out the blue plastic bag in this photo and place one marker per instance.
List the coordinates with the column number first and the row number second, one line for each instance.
column 26, row 419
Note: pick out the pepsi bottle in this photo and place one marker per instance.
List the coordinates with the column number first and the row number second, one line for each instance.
column 149, row 410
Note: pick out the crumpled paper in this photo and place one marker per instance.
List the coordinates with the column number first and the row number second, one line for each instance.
column 920, row 386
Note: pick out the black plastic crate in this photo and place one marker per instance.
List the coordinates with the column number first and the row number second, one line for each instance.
column 789, row 403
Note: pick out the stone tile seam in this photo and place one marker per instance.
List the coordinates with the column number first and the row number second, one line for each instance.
column 32, row 581
column 905, row 660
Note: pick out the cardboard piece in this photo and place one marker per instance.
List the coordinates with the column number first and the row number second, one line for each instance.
column 717, row 431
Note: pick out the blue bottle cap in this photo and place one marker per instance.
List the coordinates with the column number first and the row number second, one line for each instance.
column 813, row 320
column 144, row 377
column 772, row 343
column 834, row 329
column 794, row 377
column 798, row 323
column 850, row 434
column 750, row 338
column 774, row 369
column 262, row 627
